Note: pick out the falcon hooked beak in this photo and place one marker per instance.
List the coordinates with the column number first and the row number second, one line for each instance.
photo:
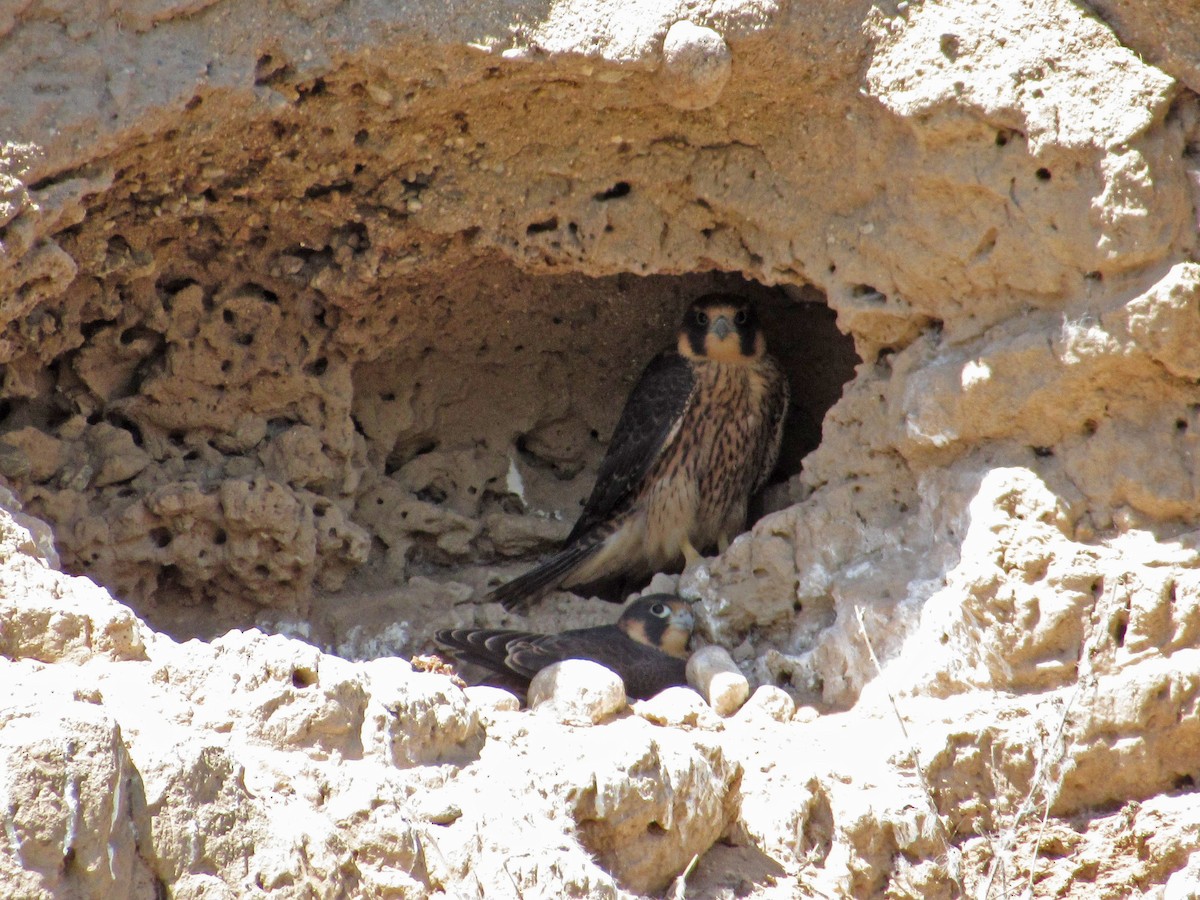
column 721, row 327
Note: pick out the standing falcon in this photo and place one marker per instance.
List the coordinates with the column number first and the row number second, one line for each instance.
column 699, row 434
column 647, row 647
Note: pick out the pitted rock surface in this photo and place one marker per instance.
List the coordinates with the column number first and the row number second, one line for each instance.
column 315, row 319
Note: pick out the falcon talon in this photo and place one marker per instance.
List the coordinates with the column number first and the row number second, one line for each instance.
column 699, row 434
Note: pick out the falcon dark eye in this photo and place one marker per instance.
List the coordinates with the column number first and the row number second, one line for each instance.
column 701, row 318
column 742, row 317
column 660, row 609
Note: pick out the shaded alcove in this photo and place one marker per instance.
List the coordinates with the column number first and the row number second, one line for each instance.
column 482, row 448
column 283, row 327
column 529, row 389
column 200, row 425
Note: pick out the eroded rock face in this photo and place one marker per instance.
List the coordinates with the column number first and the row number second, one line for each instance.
column 334, row 305
column 72, row 821
column 318, row 318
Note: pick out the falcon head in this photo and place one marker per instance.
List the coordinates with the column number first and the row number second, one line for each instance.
column 723, row 328
column 662, row 621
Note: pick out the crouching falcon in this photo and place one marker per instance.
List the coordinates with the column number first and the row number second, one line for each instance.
column 647, row 647
column 699, row 435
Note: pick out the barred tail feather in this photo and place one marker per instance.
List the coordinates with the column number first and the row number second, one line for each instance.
column 525, row 590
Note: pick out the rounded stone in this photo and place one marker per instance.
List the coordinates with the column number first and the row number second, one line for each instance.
column 696, row 66
column 577, row 692
column 712, row 671
column 768, row 702
column 677, row 707
column 489, row 700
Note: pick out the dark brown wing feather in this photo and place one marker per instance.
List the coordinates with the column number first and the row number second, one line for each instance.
column 482, row 646
column 524, row 590
column 603, row 644
column 654, row 406
column 775, row 407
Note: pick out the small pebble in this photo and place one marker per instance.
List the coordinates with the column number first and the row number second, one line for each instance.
column 445, row 814
column 768, row 702
column 696, row 66
column 577, row 692
column 489, row 700
column 712, row 671
column 388, row 670
column 677, row 707
column 805, row 714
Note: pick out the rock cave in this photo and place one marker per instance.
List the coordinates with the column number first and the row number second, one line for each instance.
column 316, row 317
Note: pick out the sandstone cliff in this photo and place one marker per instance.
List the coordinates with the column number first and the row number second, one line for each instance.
column 316, row 315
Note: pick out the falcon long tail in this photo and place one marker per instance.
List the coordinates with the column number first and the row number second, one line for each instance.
column 525, row 590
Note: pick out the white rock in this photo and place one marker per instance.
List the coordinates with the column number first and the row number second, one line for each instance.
column 424, row 719
column 646, row 800
column 387, row 669
column 201, row 887
column 662, row 583
column 303, row 698
column 712, row 671
column 805, row 714
column 1182, row 885
column 768, row 702
column 678, row 707
column 578, row 691
column 696, row 66
column 70, row 825
column 489, row 700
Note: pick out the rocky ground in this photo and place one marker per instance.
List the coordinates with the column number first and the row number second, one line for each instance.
column 316, row 316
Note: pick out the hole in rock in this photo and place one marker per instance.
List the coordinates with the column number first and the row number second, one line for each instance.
column 294, row 373
column 1119, row 627
column 618, row 190
column 90, row 329
column 486, row 411
column 258, row 292
column 868, row 294
column 458, row 428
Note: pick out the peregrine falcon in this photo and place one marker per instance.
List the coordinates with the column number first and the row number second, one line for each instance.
column 699, row 434
column 647, row 646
